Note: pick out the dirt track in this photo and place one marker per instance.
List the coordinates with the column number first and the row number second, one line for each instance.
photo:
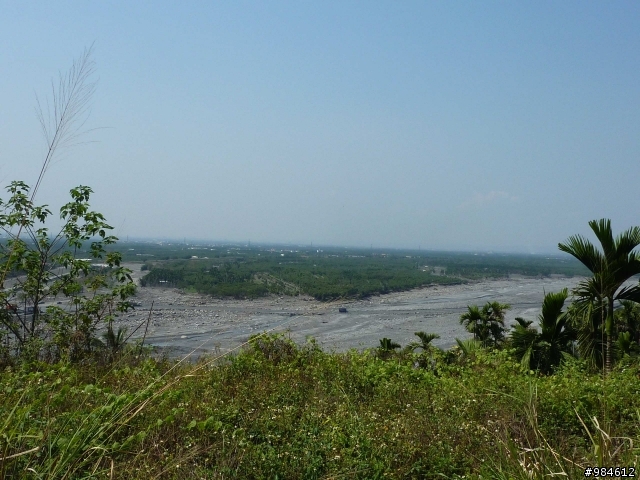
column 181, row 323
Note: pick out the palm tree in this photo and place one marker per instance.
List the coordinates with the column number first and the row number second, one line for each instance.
column 425, row 341
column 495, row 312
column 610, row 267
column 387, row 347
column 486, row 324
column 471, row 320
column 426, row 359
column 544, row 351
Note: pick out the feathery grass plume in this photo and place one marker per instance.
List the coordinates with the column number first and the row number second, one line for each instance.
column 63, row 118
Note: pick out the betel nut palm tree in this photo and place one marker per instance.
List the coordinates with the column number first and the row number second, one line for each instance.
column 425, row 341
column 611, row 267
column 471, row 319
column 545, row 349
column 486, row 324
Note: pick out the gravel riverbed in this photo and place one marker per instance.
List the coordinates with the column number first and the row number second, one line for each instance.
column 182, row 323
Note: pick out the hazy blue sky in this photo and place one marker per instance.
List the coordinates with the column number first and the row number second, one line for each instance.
column 456, row 125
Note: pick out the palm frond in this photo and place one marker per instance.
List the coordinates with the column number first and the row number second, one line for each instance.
column 523, row 323
column 469, row 347
column 426, row 338
column 589, row 289
column 631, row 293
column 602, row 230
column 552, row 306
column 627, row 241
column 526, row 360
column 522, row 338
column 583, row 250
column 587, row 318
column 472, row 315
column 625, row 267
column 388, row 345
column 495, row 311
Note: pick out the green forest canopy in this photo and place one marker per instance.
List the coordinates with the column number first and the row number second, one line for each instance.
column 325, row 272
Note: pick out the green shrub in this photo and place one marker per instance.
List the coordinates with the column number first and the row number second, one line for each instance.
column 279, row 409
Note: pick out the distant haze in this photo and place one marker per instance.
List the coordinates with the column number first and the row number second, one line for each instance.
column 500, row 126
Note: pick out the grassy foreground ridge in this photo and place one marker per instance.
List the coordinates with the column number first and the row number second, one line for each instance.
column 278, row 410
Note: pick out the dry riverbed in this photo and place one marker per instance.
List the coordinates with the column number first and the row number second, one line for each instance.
column 183, row 322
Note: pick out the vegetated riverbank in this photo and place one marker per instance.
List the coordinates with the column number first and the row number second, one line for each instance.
column 329, row 273
column 278, row 410
column 183, row 322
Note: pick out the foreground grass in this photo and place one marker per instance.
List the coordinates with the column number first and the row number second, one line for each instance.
column 277, row 410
